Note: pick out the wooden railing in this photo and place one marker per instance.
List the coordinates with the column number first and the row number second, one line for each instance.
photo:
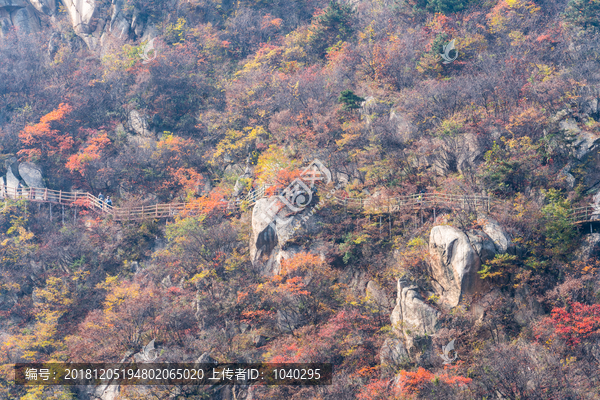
column 88, row 200
column 368, row 205
column 580, row 215
column 425, row 200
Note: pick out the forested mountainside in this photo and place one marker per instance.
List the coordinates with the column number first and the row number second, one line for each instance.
column 448, row 210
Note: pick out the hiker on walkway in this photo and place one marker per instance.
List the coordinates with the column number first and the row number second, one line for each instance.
column 19, row 189
column 101, row 199
column 108, row 201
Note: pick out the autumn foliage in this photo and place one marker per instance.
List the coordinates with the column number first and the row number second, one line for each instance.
column 246, row 93
column 575, row 322
column 91, row 151
column 48, row 137
column 413, row 382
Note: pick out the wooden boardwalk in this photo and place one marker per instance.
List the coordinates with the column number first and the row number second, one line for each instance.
column 369, row 205
column 87, row 200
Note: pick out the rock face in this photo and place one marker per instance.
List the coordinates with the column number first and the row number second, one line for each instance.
column 501, row 239
column 241, row 180
column 47, row 7
column 585, row 143
column 18, row 15
column 11, row 179
column 31, row 174
column 138, row 123
column 82, row 13
column 119, row 26
column 264, row 236
column 590, row 247
column 28, row 173
column 412, row 317
column 272, row 227
column 393, row 354
column 455, row 258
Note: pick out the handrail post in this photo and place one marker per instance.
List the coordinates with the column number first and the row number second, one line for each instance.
column 46, row 195
column 59, row 196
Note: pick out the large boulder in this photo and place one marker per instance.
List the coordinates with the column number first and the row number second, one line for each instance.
column 138, row 123
column 13, row 3
column 412, row 317
column 31, row 174
column 273, row 225
column 119, row 26
column 585, row 143
column 393, row 354
column 47, row 7
column 454, row 262
column 26, row 20
column 82, row 13
column 264, row 236
column 590, row 247
column 483, row 245
column 18, row 14
column 5, row 22
column 12, row 182
column 501, row 239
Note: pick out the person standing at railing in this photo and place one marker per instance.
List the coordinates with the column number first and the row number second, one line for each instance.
column 19, row 189
column 101, row 200
column 108, row 201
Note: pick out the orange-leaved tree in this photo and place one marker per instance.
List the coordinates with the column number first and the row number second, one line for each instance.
column 573, row 323
column 47, row 139
column 414, row 382
column 303, row 291
column 81, row 162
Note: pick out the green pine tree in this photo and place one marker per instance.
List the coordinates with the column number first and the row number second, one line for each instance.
column 349, row 100
column 331, row 27
column 584, row 13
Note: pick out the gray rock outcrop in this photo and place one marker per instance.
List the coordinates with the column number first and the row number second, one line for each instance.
column 412, row 317
column 206, row 358
column 393, row 354
column 12, row 182
column 264, row 237
column 47, row 7
column 82, row 13
column 590, row 247
column 138, row 123
column 272, row 226
column 13, row 3
column 18, row 15
column 483, row 245
column 585, row 143
column 31, row 174
column 119, row 26
column 241, row 181
column 454, row 262
column 377, row 296
column 501, row 239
